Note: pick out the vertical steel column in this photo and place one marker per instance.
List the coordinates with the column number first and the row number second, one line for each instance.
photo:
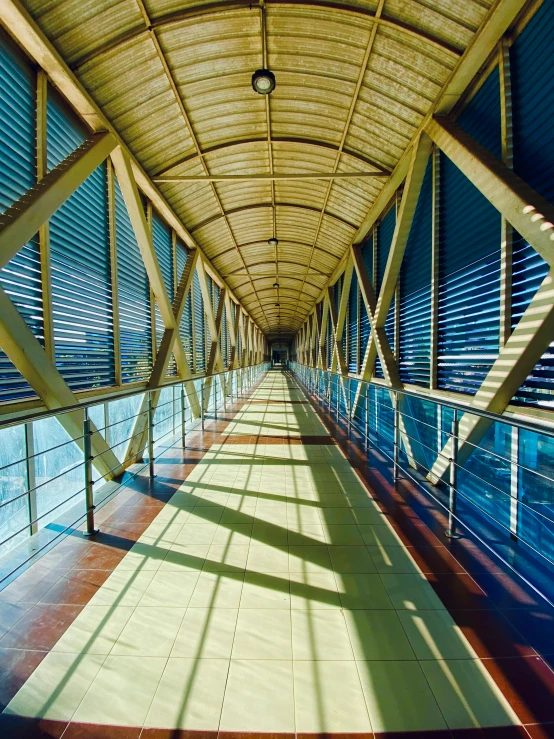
column 31, row 477
column 450, row 532
column 150, row 436
column 396, row 438
column 89, row 490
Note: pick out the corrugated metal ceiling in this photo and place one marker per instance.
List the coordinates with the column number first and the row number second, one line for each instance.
column 354, row 81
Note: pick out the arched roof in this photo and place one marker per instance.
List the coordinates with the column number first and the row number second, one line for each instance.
column 354, row 82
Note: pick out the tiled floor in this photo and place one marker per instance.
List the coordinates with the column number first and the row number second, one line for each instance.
column 269, row 594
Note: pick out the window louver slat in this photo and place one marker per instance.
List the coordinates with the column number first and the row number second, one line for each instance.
column 469, row 293
column 80, row 265
column 21, row 277
column 352, row 325
column 135, row 322
column 469, row 261
column 161, row 238
column 415, row 292
column 185, row 327
column 533, row 99
column 386, row 232
column 199, row 325
column 528, row 271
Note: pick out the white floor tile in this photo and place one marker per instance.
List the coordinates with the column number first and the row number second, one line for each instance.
column 190, row 695
column 57, row 686
column 263, row 634
column 259, row 697
column 122, row 691
column 206, row 633
column 329, row 699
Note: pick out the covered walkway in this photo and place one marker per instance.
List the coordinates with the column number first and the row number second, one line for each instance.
column 271, row 593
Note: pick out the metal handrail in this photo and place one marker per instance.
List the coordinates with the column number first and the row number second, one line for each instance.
column 313, row 376
column 232, row 382
column 460, row 407
column 6, row 423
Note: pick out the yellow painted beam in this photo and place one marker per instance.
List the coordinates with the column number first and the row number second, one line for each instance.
column 23, row 349
column 22, row 220
column 523, row 349
column 527, row 211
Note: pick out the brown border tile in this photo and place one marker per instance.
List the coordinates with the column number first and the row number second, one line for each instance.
column 17, row 727
column 16, row 666
column 99, row 731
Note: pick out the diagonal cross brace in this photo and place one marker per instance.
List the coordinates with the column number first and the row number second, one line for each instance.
column 524, row 348
column 22, row 220
column 28, row 356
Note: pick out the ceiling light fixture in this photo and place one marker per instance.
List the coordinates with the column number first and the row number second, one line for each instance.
column 273, row 241
column 263, row 81
column 275, row 284
column 277, row 305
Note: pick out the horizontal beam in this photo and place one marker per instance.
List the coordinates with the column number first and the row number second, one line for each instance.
column 22, row 220
column 268, row 177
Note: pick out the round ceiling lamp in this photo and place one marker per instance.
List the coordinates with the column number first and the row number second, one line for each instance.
column 273, row 241
column 275, row 284
column 277, row 305
column 263, row 81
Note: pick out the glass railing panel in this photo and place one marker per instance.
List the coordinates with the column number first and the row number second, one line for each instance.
column 59, row 471
column 14, row 501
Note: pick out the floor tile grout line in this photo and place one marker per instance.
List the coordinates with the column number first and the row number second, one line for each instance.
column 84, row 654
column 327, row 545
column 425, row 575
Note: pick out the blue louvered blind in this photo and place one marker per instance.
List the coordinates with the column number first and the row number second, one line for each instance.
column 161, row 238
column 225, row 340
column 80, row 264
column 135, row 322
column 185, row 327
column 352, row 324
column 415, row 291
column 365, row 328
column 21, row 277
column 329, row 343
column 533, row 106
column 207, row 332
column 384, row 240
column 469, row 259
column 199, row 325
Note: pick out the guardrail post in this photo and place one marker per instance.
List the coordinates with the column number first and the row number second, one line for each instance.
column 366, row 418
column 214, row 385
column 31, row 478
column 183, row 409
column 150, row 436
column 396, row 438
column 89, row 483
column 349, row 396
column 450, row 532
